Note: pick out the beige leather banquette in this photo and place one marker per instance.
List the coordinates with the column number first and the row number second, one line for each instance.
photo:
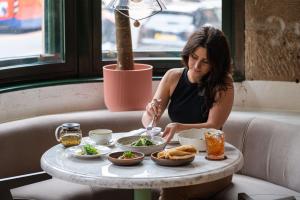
column 23, row 142
column 271, row 152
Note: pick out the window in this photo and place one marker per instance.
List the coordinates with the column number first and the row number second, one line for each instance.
column 70, row 39
column 21, row 28
column 167, row 30
column 34, row 41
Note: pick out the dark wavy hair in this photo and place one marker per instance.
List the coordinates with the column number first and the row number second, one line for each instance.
column 218, row 55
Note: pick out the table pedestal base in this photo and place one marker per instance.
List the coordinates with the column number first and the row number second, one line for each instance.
column 142, row 194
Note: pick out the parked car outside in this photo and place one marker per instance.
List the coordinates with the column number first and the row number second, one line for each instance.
column 171, row 28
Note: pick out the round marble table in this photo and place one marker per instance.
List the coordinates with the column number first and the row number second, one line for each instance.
column 60, row 164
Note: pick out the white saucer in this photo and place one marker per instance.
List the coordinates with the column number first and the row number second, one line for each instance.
column 88, row 140
column 109, row 144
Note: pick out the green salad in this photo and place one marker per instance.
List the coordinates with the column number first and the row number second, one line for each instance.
column 127, row 155
column 142, row 141
column 89, row 149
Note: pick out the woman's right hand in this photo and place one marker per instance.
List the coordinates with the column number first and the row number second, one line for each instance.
column 153, row 108
column 170, row 131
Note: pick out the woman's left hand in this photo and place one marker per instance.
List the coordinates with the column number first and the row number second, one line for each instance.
column 169, row 131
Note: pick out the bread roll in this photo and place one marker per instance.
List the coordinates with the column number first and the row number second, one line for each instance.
column 187, row 148
column 181, row 152
column 181, row 157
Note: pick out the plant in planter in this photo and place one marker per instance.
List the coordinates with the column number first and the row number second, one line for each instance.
column 127, row 85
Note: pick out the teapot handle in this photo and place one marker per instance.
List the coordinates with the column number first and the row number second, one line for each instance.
column 57, row 132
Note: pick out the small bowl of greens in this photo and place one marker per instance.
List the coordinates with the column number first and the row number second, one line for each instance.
column 126, row 158
column 144, row 144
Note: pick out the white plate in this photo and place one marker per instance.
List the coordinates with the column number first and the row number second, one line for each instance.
column 76, row 151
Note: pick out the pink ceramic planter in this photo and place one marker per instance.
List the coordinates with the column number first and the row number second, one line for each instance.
column 126, row 90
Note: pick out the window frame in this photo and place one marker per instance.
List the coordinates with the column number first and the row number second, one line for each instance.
column 83, row 58
column 231, row 24
column 24, row 73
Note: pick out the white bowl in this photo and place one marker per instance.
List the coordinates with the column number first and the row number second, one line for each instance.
column 142, row 131
column 193, row 137
column 125, row 144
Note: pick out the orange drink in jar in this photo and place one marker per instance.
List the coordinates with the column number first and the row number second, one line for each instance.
column 215, row 144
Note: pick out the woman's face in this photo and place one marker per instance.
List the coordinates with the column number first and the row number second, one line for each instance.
column 198, row 65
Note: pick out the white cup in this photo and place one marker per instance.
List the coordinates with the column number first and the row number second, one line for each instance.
column 101, row 136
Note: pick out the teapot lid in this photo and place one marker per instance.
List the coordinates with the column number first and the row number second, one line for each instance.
column 71, row 125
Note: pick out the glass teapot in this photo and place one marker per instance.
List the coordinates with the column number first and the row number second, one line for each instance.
column 68, row 134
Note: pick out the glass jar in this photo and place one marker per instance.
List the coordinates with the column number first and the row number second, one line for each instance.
column 68, row 134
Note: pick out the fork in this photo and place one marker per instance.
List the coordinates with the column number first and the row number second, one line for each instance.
column 150, row 126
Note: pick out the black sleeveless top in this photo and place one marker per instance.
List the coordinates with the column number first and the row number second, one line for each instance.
column 187, row 103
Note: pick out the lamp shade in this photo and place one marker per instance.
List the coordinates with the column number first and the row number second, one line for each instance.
column 153, row 5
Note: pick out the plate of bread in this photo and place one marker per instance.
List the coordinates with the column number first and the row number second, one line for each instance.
column 177, row 156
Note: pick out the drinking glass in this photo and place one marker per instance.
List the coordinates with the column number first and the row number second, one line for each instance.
column 214, row 144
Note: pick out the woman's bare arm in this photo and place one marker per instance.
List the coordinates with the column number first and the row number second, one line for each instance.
column 163, row 93
column 217, row 116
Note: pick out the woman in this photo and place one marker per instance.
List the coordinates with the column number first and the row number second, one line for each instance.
column 199, row 95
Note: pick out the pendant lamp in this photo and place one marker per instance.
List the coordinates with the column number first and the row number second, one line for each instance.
column 146, row 6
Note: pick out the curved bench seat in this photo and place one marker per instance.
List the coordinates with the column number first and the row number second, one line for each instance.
column 24, row 141
column 270, row 148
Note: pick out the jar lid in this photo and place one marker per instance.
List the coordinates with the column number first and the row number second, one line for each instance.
column 71, row 125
